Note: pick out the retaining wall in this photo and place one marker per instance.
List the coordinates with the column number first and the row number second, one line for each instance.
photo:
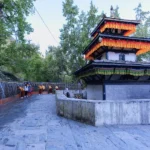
column 9, row 90
column 108, row 112
column 75, row 109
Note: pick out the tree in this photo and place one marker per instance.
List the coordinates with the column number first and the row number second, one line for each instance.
column 35, row 68
column 13, row 18
column 15, row 53
column 143, row 28
column 75, row 33
column 56, row 64
column 144, row 17
column 68, row 32
column 92, row 17
column 15, row 58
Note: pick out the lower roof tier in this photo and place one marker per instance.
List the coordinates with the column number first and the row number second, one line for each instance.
column 140, row 45
column 109, row 68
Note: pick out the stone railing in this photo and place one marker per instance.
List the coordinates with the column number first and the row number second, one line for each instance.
column 99, row 112
column 76, row 109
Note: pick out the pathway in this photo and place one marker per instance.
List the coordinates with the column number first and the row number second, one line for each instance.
column 32, row 124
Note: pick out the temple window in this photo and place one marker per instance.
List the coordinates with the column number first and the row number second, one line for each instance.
column 122, row 57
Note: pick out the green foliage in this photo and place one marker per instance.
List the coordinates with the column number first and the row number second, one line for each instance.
column 16, row 56
column 57, row 64
column 25, row 61
column 75, row 33
column 143, row 28
column 144, row 17
column 13, row 19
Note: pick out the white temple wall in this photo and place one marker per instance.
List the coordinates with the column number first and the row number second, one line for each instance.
column 112, row 56
column 95, row 92
column 130, row 57
column 115, row 56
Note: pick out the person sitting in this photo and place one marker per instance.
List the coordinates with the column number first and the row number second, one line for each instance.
column 67, row 92
column 26, row 89
column 43, row 88
column 56, row 87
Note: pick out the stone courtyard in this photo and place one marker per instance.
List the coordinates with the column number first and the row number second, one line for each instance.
column 32, row 124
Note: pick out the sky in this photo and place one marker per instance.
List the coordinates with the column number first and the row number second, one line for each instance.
column 51, row 12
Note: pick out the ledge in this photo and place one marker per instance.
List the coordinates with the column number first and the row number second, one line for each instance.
column 99, row 112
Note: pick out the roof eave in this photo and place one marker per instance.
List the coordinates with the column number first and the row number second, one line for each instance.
column 136, row 22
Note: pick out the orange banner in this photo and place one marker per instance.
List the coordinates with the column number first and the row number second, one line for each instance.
column 142, row 47
column 131, row 28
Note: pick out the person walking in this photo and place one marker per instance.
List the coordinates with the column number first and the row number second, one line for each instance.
column 21, row 89
column 50, row 89
column 30, row 90
column 43, row 88
column 40, row 89
column 26, row 89
column 56, row 88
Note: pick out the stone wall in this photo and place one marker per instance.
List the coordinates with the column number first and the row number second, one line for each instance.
column 108, row 112
column 122, row 112
column 8, row 89
column 76, row 109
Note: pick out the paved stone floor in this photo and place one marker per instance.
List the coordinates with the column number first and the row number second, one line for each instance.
column 32, row 124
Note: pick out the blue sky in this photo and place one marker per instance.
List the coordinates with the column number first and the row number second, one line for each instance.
column 51, row 12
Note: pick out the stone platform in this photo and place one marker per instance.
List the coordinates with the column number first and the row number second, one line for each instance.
column 32, row 124
column 104, row 112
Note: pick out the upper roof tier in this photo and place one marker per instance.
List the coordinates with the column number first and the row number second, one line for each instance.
column 115, row 26
column 104, row 41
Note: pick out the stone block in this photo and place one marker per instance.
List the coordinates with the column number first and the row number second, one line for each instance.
column 88, row 112
column 144, row 109
column 60, row 107
column 68, row 109
column 148, row 112
column 102, row 113
column 114, row 113
column 76, row 110
column 131, row 113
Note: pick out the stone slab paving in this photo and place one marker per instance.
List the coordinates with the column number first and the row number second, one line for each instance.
column 32, row 124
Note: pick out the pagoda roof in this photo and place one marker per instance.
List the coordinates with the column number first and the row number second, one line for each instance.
column 99, row 71
column 87, row 49
column 111, row 64
column 102, row 22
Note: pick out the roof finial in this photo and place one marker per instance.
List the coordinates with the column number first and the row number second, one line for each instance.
column 104, row 15
column 112, row 12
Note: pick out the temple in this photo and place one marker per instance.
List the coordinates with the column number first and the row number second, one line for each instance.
column 112, row 72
